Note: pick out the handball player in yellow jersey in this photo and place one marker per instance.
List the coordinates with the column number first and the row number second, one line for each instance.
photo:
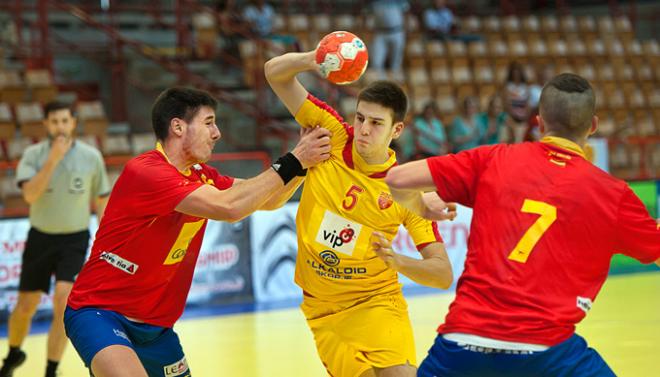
column 352, row 298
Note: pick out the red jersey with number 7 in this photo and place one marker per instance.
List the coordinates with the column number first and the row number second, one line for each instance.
column 545, row 225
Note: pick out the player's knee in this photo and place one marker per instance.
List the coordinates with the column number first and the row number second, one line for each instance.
column 26, row 307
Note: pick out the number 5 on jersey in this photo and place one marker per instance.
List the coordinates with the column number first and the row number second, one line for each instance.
column 351, row 198
column 548, row 216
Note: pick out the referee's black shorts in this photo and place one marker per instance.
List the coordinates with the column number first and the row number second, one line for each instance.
column 47, row 254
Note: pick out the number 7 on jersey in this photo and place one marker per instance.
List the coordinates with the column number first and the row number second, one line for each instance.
column 548, row 216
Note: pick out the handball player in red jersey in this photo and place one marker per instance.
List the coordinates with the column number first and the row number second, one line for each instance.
column 545, row 226
column 134, row 286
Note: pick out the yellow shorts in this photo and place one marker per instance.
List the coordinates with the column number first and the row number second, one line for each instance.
column 372, row 333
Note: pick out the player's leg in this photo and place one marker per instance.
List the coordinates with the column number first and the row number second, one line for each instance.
column 71, row 251
column 37, row 266
column 103, row 341
column 57, row 339
column 378, row 336
column 117, row 361
column 161, row 352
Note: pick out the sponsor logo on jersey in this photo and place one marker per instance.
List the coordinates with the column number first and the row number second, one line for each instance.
column 119, row 262
column 338, row 233
column 385, row 200
column 584, row 303
column 329, row 257
column 176, row 369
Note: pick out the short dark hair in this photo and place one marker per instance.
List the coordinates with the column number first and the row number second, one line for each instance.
column 53, row 106
column 178, row 102
column 567, row 105
column 515, row 66
column 387, row 94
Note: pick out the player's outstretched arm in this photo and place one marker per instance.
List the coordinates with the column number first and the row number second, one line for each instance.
column 407, row 183
column 281, row 74
column 317, row 139
column 434, row 270
column 243, row 199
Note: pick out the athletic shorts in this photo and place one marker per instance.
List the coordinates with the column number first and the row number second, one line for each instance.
column 47, row 254
column 572, row 357
column 373, row 333
column 158, row 348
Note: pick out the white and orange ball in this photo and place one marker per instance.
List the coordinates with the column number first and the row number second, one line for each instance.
column 342, row 57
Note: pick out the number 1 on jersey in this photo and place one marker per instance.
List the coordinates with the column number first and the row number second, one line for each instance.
column 548, row 216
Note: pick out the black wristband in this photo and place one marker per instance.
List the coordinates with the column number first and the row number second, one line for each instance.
column 287, row 167
column 302, row 173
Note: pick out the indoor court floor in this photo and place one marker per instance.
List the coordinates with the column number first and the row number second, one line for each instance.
column 623, row 325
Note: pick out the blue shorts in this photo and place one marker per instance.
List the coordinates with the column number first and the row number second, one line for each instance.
column 569, row 358
column 158, row 348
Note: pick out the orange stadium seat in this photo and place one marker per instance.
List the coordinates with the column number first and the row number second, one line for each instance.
column 345, row 22
column 41, row 85
column 587, row 27
column 511, row 26
column 30, row 118
column 568, row 26
column 7, row 130
column 322, row 23
column 471, row 25
column 94, row 121
column 492, row 27
column 279, row 23
column 436, row 49
column 531, row 24
column 12, row 87
column 440, row 73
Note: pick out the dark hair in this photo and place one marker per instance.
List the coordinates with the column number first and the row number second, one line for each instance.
column 516, row 66
column 178, row 102
column 567, row 105
column 386, row 94
column 53, row 106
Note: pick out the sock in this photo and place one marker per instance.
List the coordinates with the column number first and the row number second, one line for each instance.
column 51, row 368
column 13, row 352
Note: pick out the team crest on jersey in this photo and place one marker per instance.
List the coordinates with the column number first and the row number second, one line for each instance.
column 176, row 369
column 119, row 262
column 385, row 200
column 338, row 233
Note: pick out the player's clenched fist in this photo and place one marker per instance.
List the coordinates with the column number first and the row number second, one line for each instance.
column 383, row 248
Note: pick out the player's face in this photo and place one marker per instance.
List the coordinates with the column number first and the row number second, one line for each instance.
column 60, row 123
column 373, row 129
column 201, row 135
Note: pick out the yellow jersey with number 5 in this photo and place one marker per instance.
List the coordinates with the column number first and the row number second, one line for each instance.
column 344, row 201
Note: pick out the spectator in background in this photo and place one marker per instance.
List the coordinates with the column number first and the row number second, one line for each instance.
column 516, row 100
column 439, row 20
column 231, row 26
column 59, row 177
column 431, row 139
column 465, row 133
column 389, row 37
column 493, row 122
column 259, row 17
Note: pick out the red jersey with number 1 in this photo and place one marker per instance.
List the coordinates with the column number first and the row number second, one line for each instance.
column 144, row 255
column 546, row 223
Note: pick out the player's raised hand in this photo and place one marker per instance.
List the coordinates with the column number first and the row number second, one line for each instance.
column 313, row 147
column 437, row 209
column 383, row 248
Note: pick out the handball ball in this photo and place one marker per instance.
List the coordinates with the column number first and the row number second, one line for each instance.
column 342, row 57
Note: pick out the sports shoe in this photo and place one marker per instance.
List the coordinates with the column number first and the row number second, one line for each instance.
column 9, row 364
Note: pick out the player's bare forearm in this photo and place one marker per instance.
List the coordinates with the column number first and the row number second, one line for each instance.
column 434, row 271
column 281, row 74
column 283, row 195
column 235, row 203
column 414, row 175
column 35, row 187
